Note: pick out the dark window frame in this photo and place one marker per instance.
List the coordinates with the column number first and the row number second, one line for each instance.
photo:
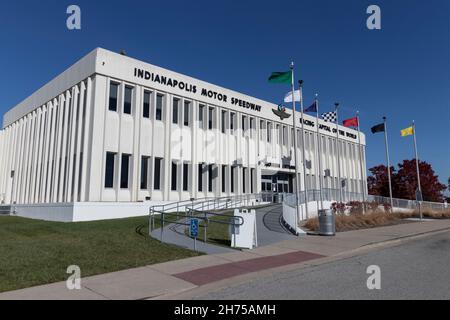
column 173, row 175
column 109, row 169
column 186, row 113
column 200, row 177
column 185, row 176
column 157, row 173
column 113, row 101
column 159, row 107
column 125, row 174
column 127, row 105
column 175, row 110
column 145, row 160
column 146, row 105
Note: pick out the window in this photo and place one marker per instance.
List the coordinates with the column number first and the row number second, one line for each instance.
column 210, row 118
column 233, row 169
column 144, row 172
column 200, row 177
column 187, row 105
column 210, row 177
column 252, row 127
column 113, row 92
column 127, row 100
column 159, row 106
column 232, row 116
column 224, row 178
column 244, row 125
column 185, row 176
column 109, row 171
column 146, row 106
column 124, row 171
column 269, row 132
column 174, row 177
column 201, row 111
column 157, row 174
column 261, row 129
column 175, row 110
column 252, row 179
column 224, row 121
column 244, row 178
column 285, row 136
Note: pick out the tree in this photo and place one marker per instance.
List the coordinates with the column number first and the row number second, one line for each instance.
column 378, row 182
column 404, row 181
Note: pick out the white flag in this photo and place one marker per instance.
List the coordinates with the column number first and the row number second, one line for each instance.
column 288, row 96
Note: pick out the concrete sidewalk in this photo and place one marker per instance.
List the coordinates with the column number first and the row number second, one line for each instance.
column 175, row 277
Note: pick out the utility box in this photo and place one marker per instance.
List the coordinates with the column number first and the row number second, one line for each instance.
column 245, row 235
column 327, row 222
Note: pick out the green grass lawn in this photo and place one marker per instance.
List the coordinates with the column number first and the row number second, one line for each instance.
column 34, row 252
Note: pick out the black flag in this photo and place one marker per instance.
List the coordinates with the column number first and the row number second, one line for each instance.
column 378, row 128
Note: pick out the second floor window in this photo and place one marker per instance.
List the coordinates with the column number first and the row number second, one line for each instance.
column 175, row 111
column 187, row 106
column 113, row 93
column 159, row 106
column 146, row 105
column 127, row 100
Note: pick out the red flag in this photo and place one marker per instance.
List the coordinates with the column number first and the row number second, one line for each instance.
column 352, row 122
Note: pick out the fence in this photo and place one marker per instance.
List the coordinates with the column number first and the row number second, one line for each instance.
column 185, row 209
column 333, row 195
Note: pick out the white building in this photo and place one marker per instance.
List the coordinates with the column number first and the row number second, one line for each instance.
column 111, row 132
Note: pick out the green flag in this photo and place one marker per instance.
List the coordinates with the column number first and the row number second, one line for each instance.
column 281, row 77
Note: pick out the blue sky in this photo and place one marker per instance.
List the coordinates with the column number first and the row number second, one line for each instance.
column 400, row 71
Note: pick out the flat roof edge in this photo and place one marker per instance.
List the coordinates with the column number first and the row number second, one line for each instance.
column 77, row 72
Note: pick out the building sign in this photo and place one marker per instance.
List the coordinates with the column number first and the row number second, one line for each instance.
column 192, row 88
column 281, row 112
column 325, row 127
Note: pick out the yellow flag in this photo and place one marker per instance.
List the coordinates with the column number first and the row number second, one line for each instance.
column 407, row 132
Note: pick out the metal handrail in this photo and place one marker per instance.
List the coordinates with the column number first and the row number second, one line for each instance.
column 329, row 194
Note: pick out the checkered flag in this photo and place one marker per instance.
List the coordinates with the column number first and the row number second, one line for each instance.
column 329, row 116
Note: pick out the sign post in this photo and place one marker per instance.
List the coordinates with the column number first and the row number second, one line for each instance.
column 193, row 230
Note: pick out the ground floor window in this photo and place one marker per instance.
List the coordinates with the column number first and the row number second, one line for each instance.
column 174, row 177
column 109, row 169
column 224, row 178
column 233, row 171
column 244, row 179
column 200, row 177
column 144, row 172
column 124, row 171
column 157, row 174
column 185, row 176
column 210, row 177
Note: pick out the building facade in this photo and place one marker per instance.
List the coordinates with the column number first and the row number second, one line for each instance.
column 114, row 129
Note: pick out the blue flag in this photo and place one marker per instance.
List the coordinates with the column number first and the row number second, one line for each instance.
column 312, row 108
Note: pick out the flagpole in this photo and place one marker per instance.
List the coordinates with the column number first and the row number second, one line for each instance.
column 338, row 152
column 417, row 167
column 300, row 85
column 360, row 164
column 297, row 189
column 319, row 153
column 388, row 162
